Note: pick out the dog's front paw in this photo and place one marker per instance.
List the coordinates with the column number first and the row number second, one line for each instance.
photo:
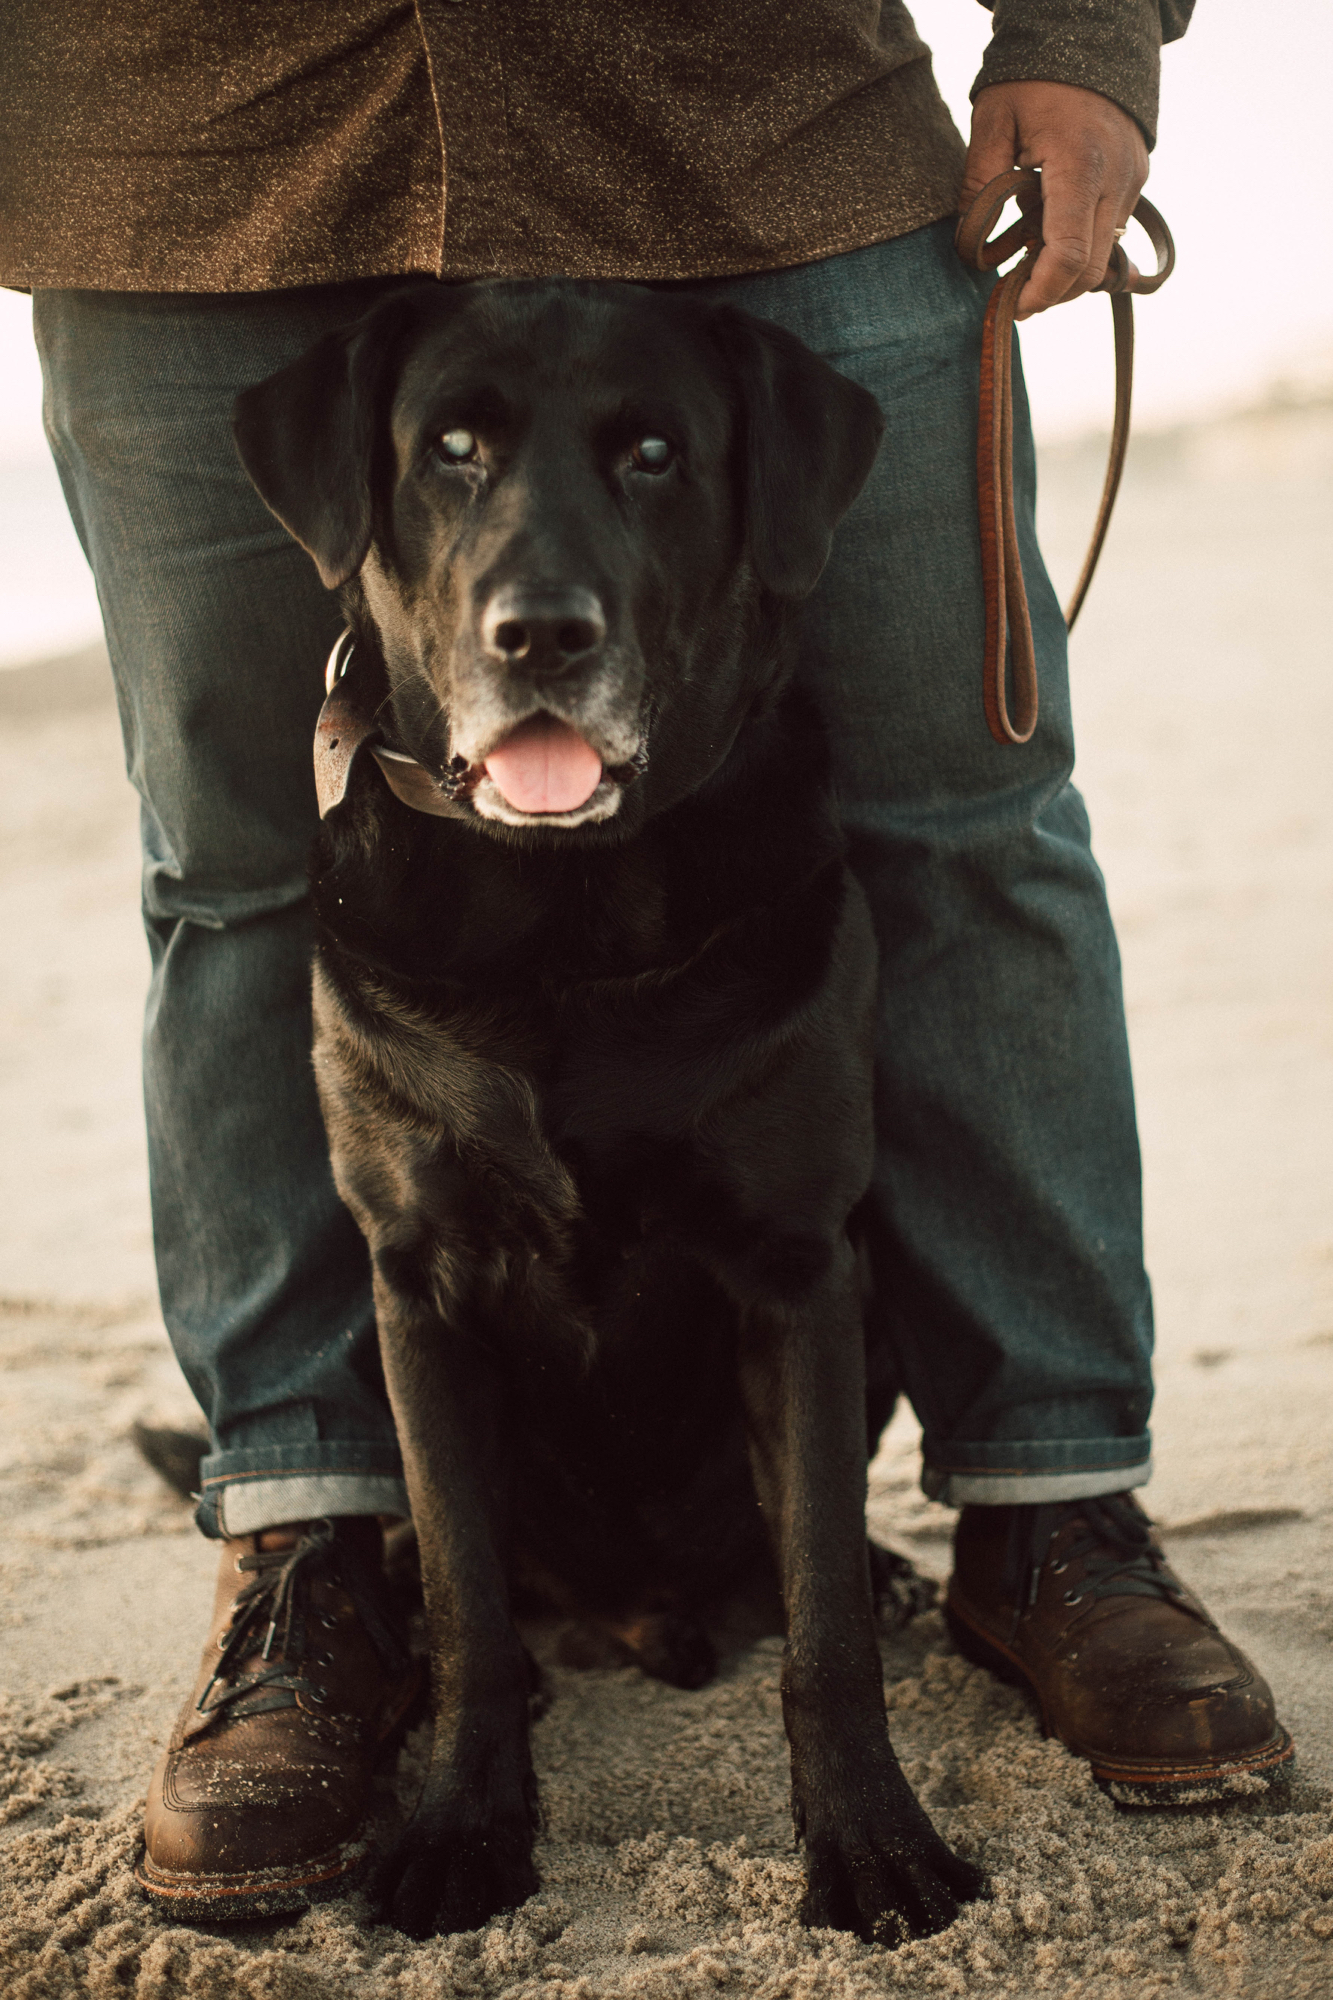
column 898, row 1589
column 445, row 1875
column 876, row 1866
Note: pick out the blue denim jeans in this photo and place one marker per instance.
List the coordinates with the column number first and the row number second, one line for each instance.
column 1005, row 1216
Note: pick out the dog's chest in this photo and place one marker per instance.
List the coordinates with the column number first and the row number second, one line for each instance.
column 544, row 1069
column 575, row 1130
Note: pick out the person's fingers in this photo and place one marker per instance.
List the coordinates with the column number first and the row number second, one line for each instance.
column 1112, row 214
column 994, row 144
column 1071, row 193
column 1075, row 252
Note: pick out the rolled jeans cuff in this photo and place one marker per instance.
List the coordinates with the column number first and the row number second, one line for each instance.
column 242, row 1492
column 1035, row 1472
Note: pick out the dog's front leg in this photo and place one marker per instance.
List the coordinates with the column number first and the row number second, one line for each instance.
column 874, row 1863
column 467, row 1851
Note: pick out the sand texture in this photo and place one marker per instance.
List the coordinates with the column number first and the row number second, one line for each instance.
column 1205, row 701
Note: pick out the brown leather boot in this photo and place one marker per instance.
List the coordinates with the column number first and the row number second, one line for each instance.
column 1077, row 1601
column 262, row 1799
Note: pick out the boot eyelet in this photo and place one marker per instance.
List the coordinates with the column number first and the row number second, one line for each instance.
column 318, row 1695
column 1072, row 1597
column 323, row 1659
column 329, row 1624
column 1058, row 1569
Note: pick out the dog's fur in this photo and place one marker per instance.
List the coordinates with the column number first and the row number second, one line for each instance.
column 598, row 1084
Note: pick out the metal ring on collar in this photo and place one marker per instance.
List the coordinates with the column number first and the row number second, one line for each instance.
column 339, row 659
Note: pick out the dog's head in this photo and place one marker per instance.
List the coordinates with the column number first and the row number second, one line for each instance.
column 573, row 515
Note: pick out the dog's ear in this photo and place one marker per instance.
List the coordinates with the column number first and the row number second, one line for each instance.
column 810, row 440
column 306, row 436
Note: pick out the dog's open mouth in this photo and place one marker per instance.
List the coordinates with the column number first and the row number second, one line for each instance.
column 544, row 766
column 545, row 771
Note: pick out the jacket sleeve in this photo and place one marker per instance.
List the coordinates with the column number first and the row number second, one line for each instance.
column 1110, row 46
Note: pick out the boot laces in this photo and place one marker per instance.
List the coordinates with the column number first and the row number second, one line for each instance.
column 1116, row 1552
column 278, row 1596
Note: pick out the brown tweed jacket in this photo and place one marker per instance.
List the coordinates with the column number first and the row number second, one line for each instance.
column 241, row 145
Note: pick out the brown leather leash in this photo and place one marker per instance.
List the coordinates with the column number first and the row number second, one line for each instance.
column 1008, row 625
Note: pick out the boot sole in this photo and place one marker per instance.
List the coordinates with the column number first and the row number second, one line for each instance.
column 234, row 1899
column 1129, row 1781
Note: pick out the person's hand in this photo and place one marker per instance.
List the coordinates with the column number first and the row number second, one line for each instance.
column 1093, row 164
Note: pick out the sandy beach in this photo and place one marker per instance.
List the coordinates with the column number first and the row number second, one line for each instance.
column 1204, row 696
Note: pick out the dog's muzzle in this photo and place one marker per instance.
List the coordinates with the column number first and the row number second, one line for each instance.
column 542, row 772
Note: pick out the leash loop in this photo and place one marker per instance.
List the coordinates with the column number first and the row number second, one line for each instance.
column 1008, row 647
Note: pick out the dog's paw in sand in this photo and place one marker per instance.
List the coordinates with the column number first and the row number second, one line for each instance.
column 899, row 1590
column 446, row 1874
column 875, row 1865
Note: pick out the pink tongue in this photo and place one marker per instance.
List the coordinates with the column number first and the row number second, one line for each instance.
column 545, row 767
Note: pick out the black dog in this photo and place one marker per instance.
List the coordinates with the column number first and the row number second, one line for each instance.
column 593, row 996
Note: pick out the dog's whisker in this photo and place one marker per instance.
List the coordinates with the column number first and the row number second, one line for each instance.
column 416, row 679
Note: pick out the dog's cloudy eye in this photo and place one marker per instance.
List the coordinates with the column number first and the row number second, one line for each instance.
column 458, row 446
column 652, row 454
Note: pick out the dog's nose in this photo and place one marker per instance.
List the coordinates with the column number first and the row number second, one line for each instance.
column 543, row 631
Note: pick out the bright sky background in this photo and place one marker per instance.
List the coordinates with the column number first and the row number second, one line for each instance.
column 1239, row 173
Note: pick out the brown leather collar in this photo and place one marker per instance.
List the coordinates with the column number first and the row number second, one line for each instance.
column 346, row 726
column 1008, row 626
